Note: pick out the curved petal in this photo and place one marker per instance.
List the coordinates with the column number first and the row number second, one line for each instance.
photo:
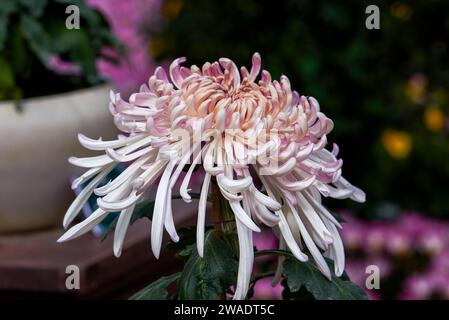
column 200, row 226
column 120, row 229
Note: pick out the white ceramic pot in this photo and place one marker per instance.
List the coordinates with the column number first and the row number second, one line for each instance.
column 34, row 147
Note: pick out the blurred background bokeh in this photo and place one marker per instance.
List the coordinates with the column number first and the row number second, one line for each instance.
column 386, row 90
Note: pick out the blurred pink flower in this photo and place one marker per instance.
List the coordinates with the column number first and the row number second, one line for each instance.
column 441, row 262
column 397, row 241
column 355, row 269
column 417, row 287
column 265, row 240
column 386, row 241
column 263, row 290
column 353, row 234
column 375, row 237
column 61, row 66
column 127, row 19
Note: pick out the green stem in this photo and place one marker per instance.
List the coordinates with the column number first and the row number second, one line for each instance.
column 216, row 206
column 262, row 275
column 272, row 252
column 224, row 220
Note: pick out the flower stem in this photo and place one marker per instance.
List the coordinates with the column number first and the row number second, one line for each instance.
column 262, row 275
column 224, row 221
column 216, row 206
column 273, row 252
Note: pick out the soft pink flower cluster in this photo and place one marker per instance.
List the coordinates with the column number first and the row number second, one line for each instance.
column 127, row 19
column 63, row 67
column 402, row 243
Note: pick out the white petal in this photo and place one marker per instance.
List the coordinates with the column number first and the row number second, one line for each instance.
column 285, row 229
column 321, row 209
column 169, row 223
column 209, row 159
column 119, row 157
column 91, row 162
column 159, row 211
column 130, row 172
column 140, row 112
column 260, row 212
column 241, row 215
column 120, row 229
column 184, row 160
column 264, row 199
column 285, row 168
column 85, row 176
column 151, row 173
column 230, row 196
column 266, row 216
column 86, row 225
column 185, row 182
column 316, row 254
column 202, row 215
column 118, row 205
column 84, row 195
column 357, row 195
column 296, row 185
column 175, row 75
column 304, row 153
column 279, row 267
column 99, row 144
column 255, row 68
column 225, row 62
column 314, row 219
column 337, row 248
column 246, row 256
column 234, row 186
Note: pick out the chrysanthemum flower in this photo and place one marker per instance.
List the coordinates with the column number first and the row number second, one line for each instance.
column 262, row 142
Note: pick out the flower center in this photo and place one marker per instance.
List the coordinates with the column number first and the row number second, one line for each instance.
column 205, row 94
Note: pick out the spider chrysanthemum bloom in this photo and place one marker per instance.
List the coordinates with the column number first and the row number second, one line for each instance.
column 262, row 142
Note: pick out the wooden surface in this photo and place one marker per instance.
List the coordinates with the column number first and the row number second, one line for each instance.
column 34, row 264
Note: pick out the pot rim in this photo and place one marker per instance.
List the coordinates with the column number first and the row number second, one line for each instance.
column 55, row 96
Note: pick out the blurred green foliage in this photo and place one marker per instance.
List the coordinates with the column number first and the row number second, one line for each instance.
column 386, row 90
column 32, row 31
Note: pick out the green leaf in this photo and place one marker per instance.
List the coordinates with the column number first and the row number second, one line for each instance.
column 3, row 29
column 81, row 53
column 157, row 290
column 35, row 7
column 301, row 294
column 208, row 277
column 186, row 244
column 143, row 209
column 8, row 87
column 306, row 274
column 6, row 9
column 37, row 38
column 6, row 75
column 20, row 61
